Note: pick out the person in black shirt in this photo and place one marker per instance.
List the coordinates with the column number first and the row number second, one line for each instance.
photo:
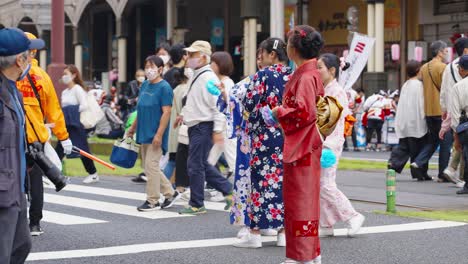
column 178, row 57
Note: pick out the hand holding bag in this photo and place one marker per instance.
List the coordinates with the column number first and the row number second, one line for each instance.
column 125, row 153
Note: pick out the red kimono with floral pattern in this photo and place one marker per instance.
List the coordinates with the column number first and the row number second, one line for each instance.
column 301, row 157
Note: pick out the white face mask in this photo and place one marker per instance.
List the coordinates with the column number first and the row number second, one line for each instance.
column 66, row 79
column 165, row 58
column 141, row 79
column 151, row 74
column 188, row 73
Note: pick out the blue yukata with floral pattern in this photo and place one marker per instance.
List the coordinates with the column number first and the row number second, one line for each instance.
column 266, row 154
column 240, row 209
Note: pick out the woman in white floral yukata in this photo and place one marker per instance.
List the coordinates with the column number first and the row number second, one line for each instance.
column 266, row 152
column 334, row 205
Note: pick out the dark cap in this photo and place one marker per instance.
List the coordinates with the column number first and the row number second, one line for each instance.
column 13, row 41
column 463, row 62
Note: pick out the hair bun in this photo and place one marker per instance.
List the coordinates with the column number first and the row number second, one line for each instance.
column 346, row 66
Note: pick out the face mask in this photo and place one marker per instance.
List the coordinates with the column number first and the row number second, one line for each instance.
column 165, row 58
column 151, row 74
column 25, row 72
column 447, row 58
column 141, row 79
column 188, row 73
column 193, row 63
column 66, row 79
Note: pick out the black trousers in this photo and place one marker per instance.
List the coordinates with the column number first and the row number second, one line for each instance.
column 182, row 178
column 374, row 125
column 15, row 240
column 36, row 189
column 407, row 149
column 87, row 163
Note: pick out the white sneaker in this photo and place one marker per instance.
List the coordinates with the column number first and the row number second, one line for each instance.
column 186, row 195
column 355, row 224
column 461, row 184
column 219, row 197
column 281, row 239
column 290, row 261
column 93, row 178
column 269, row 232
column 449, row 173
column 243, row 232
column 326, row 232
column 251, row 241
column 414, row 165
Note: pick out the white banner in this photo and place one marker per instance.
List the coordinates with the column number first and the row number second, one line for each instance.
column 361, row 46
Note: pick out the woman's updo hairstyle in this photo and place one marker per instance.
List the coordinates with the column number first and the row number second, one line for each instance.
column 332, row 61
column 306, row 40
column 277, row 45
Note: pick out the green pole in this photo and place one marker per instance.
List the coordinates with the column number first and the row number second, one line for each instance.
column 64, row 168
column 391, row 191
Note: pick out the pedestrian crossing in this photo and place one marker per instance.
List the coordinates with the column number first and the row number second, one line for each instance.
column 64, row 199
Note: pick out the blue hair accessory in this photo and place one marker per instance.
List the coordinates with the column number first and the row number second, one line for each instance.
column 328, row 158
column 212, row 88
column 268, row 117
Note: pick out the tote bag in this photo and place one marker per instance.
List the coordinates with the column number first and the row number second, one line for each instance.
column 125, row 153
column 93, row 114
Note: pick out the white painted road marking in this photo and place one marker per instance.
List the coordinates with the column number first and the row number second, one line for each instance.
column 108, row 207
column 127, row 195
column 67, row 219
column 151, row 247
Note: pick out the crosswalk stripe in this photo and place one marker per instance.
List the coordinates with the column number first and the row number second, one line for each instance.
column 127, row 195
column 160, row 246
column 107, row 207
column 67, row 219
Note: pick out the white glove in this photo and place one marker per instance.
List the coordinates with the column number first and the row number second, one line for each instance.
column 67, row 146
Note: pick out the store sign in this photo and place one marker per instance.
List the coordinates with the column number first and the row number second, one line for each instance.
column 361, row 47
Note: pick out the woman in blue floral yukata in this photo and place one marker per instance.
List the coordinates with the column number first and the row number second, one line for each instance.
column 266, row 210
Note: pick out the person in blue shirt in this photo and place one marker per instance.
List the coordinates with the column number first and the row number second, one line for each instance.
column 15, row 241
column 152, row 131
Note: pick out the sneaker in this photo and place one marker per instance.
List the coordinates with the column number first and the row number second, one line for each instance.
column 140, row 178
column 36, row 230
column 355, row 224
column 147, row 207
column 252, row 241
column 464, row 190
column 326, row 232
column 186, row 195
column 193, row 210
column 169, row 202
column 281, row 242
column 92, row 178
column 449, row 174
column 461, row 184
column 217, row 198
column 228, row 200
column 291, row 261
column 269, row 232
column 243, row 232
column 414, row 165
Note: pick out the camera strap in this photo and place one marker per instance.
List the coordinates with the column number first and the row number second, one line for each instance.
column 36, row 93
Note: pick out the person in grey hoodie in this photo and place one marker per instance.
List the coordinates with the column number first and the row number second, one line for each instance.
column 110, row 126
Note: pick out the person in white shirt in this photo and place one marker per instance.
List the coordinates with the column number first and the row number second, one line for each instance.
column 450, row 77
column 458, row 105
column 75, row 97
column 206, row 125
column 410, row 123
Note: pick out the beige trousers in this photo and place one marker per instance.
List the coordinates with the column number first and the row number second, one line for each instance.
column 157, row 182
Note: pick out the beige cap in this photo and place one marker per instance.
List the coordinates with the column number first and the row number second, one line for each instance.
column 200, row 46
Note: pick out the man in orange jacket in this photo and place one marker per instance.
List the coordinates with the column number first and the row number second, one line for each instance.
column 41, row 108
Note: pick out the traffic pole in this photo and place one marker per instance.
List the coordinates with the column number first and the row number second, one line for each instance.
column 391, row 191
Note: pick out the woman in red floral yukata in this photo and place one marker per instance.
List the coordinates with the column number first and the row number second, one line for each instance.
column 302, row 147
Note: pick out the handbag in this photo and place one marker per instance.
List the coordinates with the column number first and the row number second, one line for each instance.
column 183, row 136
column 125, row 153
column 93, row 114
column 462, row 129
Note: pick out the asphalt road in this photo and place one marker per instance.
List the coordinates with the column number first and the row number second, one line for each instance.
column 93, row 220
